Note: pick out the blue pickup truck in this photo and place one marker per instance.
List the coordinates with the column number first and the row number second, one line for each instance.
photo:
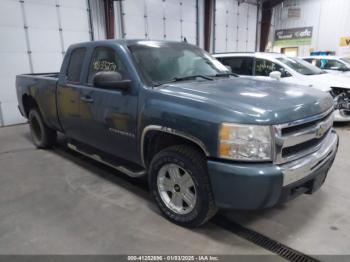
column 205, row 138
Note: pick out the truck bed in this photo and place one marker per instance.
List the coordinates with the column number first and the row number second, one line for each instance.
column 43, row 88
column 41, row 75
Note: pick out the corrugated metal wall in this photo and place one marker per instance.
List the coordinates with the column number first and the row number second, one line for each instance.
column 159, row 19
column 235, row 26
column 34, row 36
column 98, row 23
column 329, row 19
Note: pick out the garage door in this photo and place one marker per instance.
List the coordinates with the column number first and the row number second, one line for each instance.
column 160, row 19
column 34, row 37
column 235, row 26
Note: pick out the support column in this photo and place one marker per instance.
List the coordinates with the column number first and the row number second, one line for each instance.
column 209, row 6
column 267, row 8
column 109, row 16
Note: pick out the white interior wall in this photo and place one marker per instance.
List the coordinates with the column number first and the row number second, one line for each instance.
column 329, row 18
column 159, row 19
column 34, row 35
column 235, row 27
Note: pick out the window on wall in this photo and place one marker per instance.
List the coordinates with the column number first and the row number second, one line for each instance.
column 264, row 68
column 106, row 59
column 239, row 65
column 75, row 65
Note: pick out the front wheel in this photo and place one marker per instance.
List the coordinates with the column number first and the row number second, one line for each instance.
column 180, row 185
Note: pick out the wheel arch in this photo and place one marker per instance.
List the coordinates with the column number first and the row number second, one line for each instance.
column 29, row 102
column 155, row 138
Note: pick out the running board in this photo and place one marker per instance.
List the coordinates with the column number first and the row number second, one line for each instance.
column 99, row 159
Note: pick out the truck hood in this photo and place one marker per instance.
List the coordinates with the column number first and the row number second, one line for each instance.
column 251, row 101
column 328, row 80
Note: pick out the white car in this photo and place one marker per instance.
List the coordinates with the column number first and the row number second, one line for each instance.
column 332, row 64
column 275, row 66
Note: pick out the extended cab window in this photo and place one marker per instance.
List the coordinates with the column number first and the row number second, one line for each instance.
column 239, row 65
column 75, row 65
column 106, row 59
column 264, row 68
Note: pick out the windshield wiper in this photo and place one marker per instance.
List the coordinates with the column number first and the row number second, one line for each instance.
column 184, row 78
column 192, row 77
column 225, row 74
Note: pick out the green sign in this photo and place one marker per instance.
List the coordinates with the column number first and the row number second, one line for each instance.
column 293, row 36
column 305, row 41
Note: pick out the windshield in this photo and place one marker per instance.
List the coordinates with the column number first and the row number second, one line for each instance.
column 345, row 59
column 161, row 62
column 300, row 66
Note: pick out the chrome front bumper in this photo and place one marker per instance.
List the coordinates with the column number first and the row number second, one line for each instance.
column 303, row 167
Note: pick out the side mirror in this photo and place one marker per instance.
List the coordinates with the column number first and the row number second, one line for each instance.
column 275, row 75
column 110, row 80
column 336, row 68
column 228, row 68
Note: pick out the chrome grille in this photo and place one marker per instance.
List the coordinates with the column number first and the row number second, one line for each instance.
column 299, row 138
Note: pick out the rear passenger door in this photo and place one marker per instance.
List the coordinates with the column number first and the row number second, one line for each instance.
column 68, row 95
column 242, row 66
column 108, row 117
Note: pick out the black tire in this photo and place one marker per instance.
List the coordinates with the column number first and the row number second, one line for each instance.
column 42, row 135
column 194, row 163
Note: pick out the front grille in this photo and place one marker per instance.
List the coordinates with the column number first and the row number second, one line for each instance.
column 296, row 128
column 291, row 150
column 299, row 138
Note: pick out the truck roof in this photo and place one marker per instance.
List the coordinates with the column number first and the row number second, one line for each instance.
column 125, row 42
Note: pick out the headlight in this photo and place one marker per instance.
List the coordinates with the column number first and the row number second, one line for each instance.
column 245, row 142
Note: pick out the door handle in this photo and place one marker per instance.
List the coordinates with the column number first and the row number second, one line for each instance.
column 87, row 99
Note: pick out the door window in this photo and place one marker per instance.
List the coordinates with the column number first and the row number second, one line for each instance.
column 106, row 59
column 315, row 62
column 330, row 64
column 264, row 68
column 75, row 65
column 239, row 65
column 300, row 66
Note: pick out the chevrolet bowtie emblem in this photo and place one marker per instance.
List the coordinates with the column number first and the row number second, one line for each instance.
column 321, row 130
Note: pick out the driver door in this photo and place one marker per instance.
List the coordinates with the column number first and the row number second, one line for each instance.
column 108, row 117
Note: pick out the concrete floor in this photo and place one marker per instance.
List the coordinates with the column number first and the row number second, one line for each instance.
column 58, row 202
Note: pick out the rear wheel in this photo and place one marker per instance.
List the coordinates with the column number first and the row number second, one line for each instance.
column 42, row 135
column 180, row 185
